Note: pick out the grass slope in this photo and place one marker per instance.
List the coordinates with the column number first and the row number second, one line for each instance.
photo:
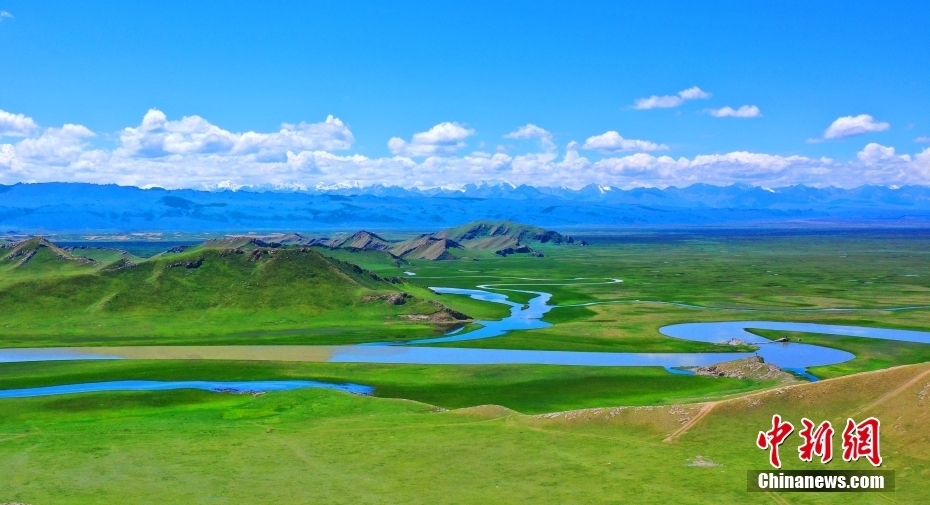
column 38, row 258
column 305, row 447
column 239, row 295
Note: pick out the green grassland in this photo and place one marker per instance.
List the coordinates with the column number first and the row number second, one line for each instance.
column 328, row 447
column 530, row 389
column 106, row 255
column 633, row 327
column 301, row 297
column 209, row 296
column 308, row 447
column 297, row 296
column 807, row 271
column 782, row 278
column 230, row 300
column 48, row 263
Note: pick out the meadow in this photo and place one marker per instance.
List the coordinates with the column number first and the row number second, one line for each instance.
column 307, row 447
column 401, row 445
column 207, row 295
column 529, row 389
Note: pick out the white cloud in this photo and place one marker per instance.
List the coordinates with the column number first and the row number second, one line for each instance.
column 745, row 111
column 56, row 146
column 922, row 140
column 613, row 142
column 873, row 154
column 7, row 154
column 15, row 125
column 157, row 137
column 847, row 126
column 668, row 101
column 5, row 15
column 922, row 163
column 532, row 131
column 693, row 93
column 191, row 152
column 443, row 139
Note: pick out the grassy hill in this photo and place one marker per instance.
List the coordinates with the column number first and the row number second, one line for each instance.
column 363, row 240
column 234, row 290
column 453, row 243
column 500, row 234
column 37, row 257
column 428, row 247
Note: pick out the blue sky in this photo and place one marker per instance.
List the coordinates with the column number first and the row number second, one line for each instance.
column 574, row 70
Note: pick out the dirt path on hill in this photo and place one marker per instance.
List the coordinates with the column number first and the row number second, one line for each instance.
column 693, row 421
column 895, row 392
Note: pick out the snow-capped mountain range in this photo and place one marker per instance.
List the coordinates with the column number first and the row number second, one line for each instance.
column 76, row 207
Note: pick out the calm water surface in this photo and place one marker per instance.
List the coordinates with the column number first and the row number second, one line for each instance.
column 793, row 356
column 225, row 387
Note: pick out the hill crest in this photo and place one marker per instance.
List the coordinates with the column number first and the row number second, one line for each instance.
column 503, row 237
column 21, row 253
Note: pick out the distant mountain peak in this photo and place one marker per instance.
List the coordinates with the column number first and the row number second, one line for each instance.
column 45, row 208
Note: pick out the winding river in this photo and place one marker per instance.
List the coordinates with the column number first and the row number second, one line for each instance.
column 793, row 356
column 238, row 387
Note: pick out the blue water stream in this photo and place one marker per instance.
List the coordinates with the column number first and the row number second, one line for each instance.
column 241, row 387
column 794, row 356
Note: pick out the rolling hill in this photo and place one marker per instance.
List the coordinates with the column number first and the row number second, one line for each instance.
column 233, row 288
column 501, row 234
column 41, row 251
column 363, row 240
column 37, row 257
column 503, row 237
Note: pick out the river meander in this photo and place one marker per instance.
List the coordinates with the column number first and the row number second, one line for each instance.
column 788, row 355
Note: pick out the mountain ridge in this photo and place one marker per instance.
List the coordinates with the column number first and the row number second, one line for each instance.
column 81, row 207
column 505, row 236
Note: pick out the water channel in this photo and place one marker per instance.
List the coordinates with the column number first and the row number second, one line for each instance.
column 237, row 387
column 795, row 356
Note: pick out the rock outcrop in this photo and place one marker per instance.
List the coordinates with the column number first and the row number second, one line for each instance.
column 389, row 298
column 443, row 316
column 187, row 264
column 752, row 367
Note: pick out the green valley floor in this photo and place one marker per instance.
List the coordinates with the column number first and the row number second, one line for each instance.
column 307, row 447
column 459, row 434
